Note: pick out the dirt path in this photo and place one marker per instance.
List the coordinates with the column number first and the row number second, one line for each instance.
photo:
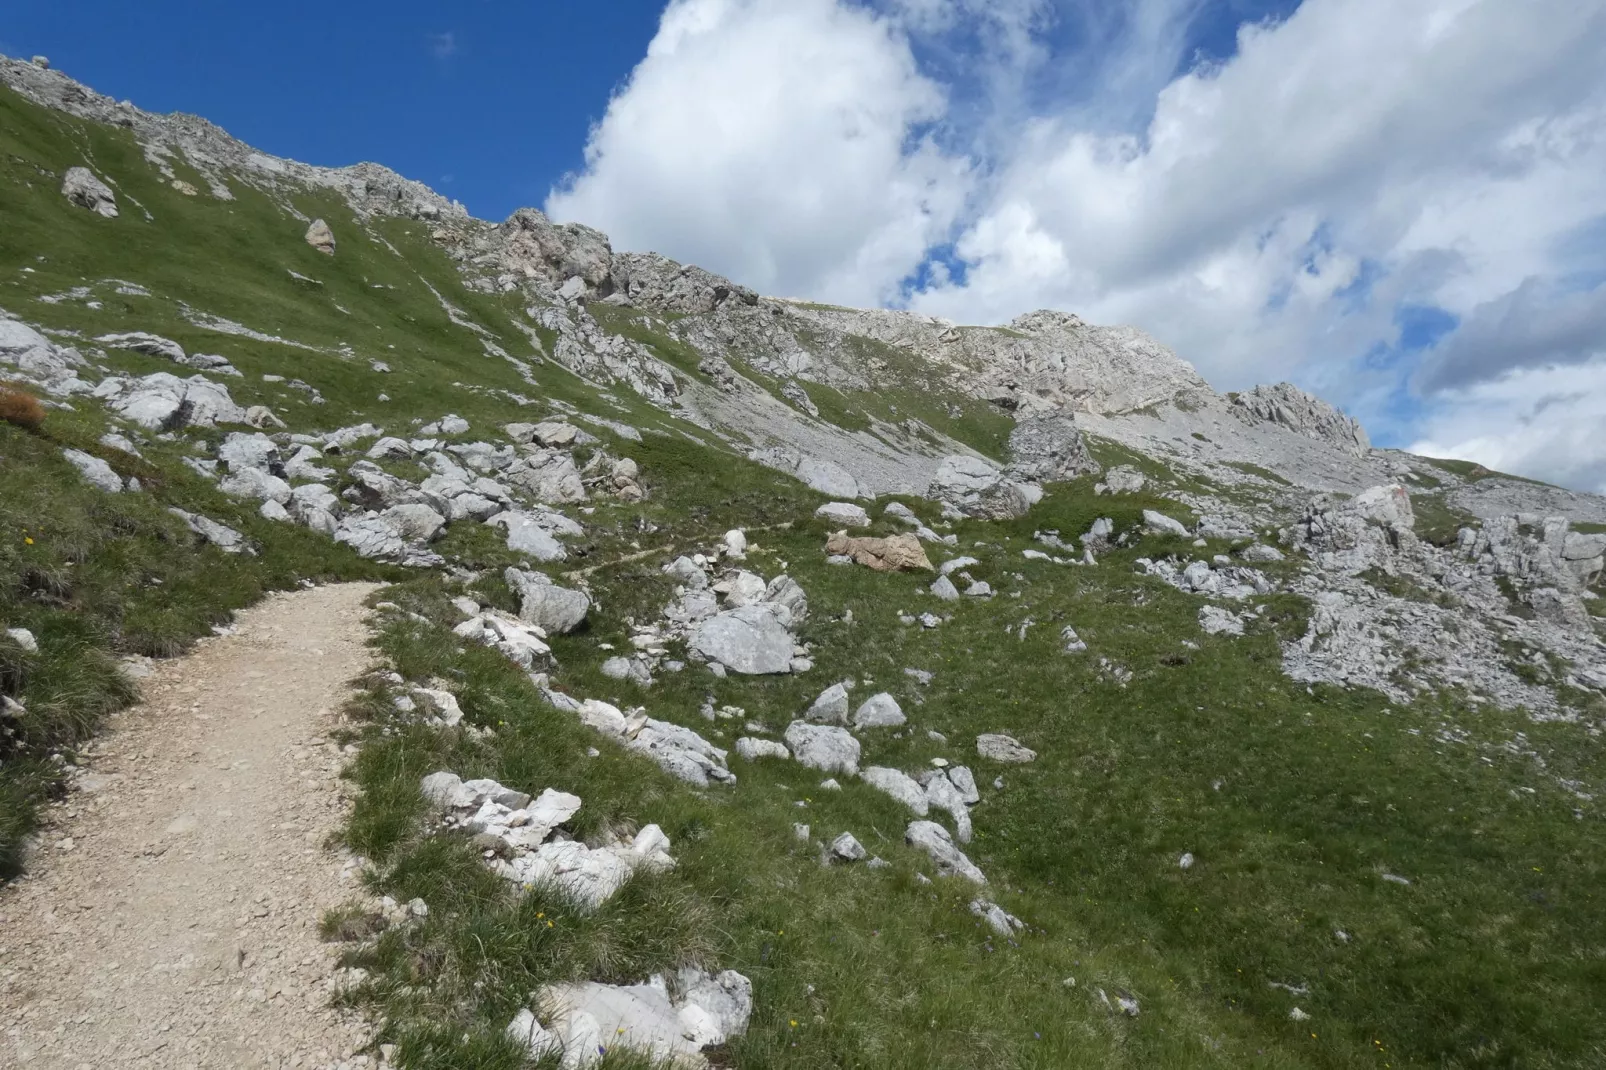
column 170, row 916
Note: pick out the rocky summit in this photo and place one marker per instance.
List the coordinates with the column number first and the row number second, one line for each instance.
column 764, row 683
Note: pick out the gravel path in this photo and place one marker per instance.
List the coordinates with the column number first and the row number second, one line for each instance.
column 170, row 915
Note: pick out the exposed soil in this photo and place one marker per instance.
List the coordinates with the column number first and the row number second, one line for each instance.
column 170, row 913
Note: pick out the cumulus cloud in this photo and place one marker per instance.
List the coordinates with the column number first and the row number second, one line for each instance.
column 1540, row 422
column 1528, row 327
column 1298, row 209
column 782, row 142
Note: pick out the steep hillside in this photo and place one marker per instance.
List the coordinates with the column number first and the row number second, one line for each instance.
column 895, row 693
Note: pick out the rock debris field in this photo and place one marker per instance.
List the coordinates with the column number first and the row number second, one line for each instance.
column 170, row 916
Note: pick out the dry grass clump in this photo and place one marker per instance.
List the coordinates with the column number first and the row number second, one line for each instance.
column 20, row 409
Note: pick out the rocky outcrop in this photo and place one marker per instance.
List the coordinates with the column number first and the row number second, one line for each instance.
column 651, row 281
column 81, row 187
column 1287, row 406
column 1049, row 449
column 321, row 238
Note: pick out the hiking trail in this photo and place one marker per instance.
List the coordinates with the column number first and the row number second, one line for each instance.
column 169, row 917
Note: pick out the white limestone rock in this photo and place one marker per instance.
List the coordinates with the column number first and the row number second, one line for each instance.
column 556, row 610
column 822, row 747
column 96, row 472
column 1000, row 748
column 81, row 186
column 879, row 711
column 750, row 640
column 950, row 861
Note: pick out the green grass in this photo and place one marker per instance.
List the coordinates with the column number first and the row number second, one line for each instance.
column 1295, row 803
column 1256, row 470
column 1438, row 522
column 1473, row 472
column 97, row 576
column 1294, row 800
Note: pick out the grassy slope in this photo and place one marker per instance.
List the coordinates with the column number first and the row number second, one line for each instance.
column 1294, row 802
column 1491, row 957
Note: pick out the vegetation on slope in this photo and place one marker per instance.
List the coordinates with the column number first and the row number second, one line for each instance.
column 1295, row 802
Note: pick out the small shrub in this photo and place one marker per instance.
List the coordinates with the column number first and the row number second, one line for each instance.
column 20, row 409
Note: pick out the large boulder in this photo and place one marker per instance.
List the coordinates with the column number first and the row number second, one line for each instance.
column 164, row 402
column 550, row 476
column 557, row 610
column 897, row 553
column 1049, row 449
column 320, row 237
column 978, row 488
column 527, row 535
column 822, row 747
column 751, row 640
column 83, row 188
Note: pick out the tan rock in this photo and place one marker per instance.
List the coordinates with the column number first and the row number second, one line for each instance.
column 320, row 237
column 898, row 553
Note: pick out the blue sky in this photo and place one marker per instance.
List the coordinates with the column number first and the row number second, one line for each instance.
column 1397, row 204
column 488, row 101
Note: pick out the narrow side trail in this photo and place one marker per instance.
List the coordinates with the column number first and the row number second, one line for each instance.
column 169, row 918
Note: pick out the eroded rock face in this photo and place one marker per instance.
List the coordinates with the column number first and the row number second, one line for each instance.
column 83, row 188
column 1288, row 406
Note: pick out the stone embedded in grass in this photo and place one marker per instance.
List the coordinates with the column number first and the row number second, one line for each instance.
column 896, row 553
column 520, row 642
column 899, row 785
column 734, row 545
column 844, row 514
column 1160, row 524
column 997, row 919
column 1124, row 479
column 1001, row 748
column 944, row 589
column 256, row 484
column 1217, row 621
column 879, row 711
column 24, row 639
column 96, row 472
column 751, row 640
column 943, row 794
column 556, row 610
column 753, row 749
column 320, row 237
column 831, row 707
column 1260, row 553
column 830, row 750
column 82, row 187
column 224, row 538
column 847, row 848
column 584, row 1021
column 932, row 838
column 1073, row 642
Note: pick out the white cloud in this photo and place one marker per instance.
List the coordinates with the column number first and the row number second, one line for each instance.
column 1269, row 216
column 1541, row 422
column 779, row 142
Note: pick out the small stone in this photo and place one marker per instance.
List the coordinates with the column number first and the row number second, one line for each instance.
column 847, row 848
column 1001, row 748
